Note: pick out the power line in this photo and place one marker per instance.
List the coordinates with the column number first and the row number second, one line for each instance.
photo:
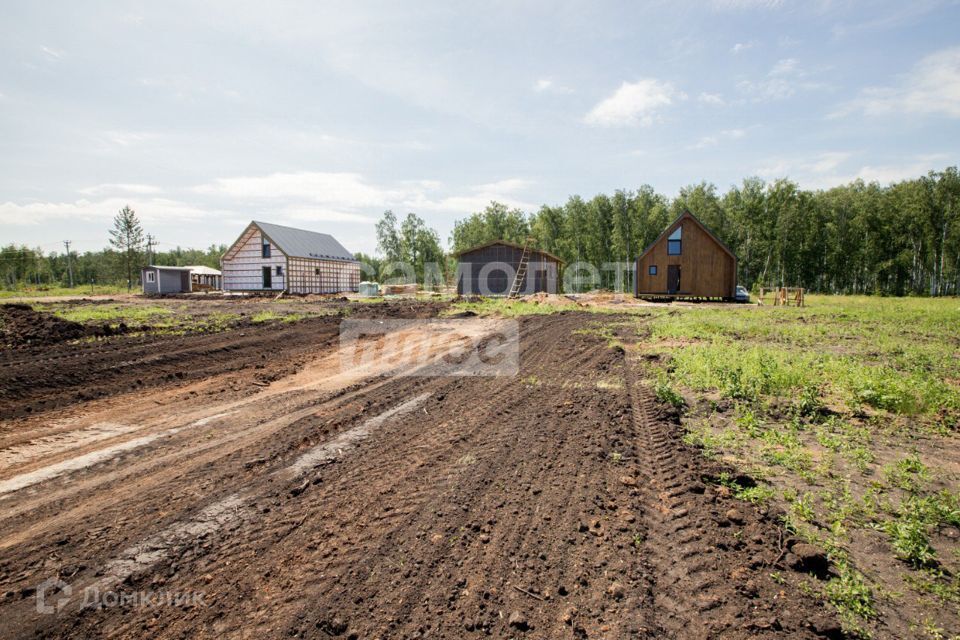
column 66, row 243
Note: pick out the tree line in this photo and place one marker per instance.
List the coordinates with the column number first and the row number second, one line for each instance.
column 903, row 238
column 118, row 264
column 856, row 238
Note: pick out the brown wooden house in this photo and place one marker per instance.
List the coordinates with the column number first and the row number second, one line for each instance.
column 686, row 261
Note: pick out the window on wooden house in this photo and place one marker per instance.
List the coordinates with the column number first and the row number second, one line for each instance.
column 265, row 249
column 652, row 270
column 151, row 277
column 279, row 270
column 673, row 242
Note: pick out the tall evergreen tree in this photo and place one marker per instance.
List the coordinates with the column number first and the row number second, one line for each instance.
column 126, row 237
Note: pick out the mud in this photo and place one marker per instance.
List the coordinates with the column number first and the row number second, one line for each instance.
column 21, row 326
column 560, row 503
column 47, row 373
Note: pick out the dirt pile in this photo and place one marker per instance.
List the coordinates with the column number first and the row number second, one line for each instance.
column 20, row 326
column 404, row 309
column 552, row 299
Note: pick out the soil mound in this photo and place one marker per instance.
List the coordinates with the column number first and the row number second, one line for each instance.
column 21, row 326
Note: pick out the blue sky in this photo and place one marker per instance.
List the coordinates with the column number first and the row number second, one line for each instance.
column 203, row 116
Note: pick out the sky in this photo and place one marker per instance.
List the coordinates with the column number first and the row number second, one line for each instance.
column 321, row 115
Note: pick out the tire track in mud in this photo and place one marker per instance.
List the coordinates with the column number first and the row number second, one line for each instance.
column 151, row 471
column 410, row 599
column 416, row 448
column 262, row 405
column 712, row 553
column 225, row 513
column 492, row 497
column 400, row 387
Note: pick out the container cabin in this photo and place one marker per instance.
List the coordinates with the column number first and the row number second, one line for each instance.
column 160, row 280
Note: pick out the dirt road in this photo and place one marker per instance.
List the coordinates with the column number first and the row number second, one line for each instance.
column 294, row 500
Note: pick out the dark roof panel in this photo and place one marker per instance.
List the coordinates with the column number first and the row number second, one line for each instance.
column 508, row 244
column 300, row 243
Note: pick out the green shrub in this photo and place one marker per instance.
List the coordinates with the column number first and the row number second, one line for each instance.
column 667, row 394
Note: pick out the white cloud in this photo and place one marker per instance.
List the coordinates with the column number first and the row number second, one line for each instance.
column 773, row 169
column 634, row 103
column 51, row 52
column 736, row 5
column 509, row 185
column 787, row 66
column 314, row 214
column 711, row 98
column 931, row 88
column 826, row 161
column 476, row 198
column 884, row 174
column 338, row 189
column 804, row 165
column 293, row 197
column 784, row 79
column 742, row 46
column 127, row 138
column 140, row 189
column 821, row 171
column 767, row 90
column 713, row 140
column 149, row 211
column 351, row 197
column 546, row 85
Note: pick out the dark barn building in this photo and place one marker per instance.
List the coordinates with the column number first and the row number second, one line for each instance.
column 686, row 261
column 489, row 270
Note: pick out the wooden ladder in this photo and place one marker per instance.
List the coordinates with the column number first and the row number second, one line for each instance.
column 521, row 269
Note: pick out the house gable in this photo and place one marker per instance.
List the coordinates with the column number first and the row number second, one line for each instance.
column 686, row 215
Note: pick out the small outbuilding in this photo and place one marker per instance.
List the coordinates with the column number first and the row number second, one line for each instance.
column 686, row 261
column 489, row 270
column 272, row 257
column 158, row 280
column 204, row 278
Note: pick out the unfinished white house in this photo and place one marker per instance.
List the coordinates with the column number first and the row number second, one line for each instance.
column 271, row 257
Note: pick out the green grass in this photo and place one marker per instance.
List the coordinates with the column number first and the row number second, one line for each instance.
column 79, row 290
column 114, row 314
column 506, row 308
column 843, row 406
column 852, row 597
column 272, row 316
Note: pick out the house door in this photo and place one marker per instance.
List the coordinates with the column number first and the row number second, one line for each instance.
column 673, row 278
column 267, row 281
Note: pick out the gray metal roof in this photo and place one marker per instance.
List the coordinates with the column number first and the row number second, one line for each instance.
column 299, row 243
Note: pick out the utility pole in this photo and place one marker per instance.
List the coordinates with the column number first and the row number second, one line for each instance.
column 150, row 244
column 66, row 243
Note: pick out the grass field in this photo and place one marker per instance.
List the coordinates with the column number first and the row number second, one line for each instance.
column 79, row 290
column 846, row 413
column 174, row 317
